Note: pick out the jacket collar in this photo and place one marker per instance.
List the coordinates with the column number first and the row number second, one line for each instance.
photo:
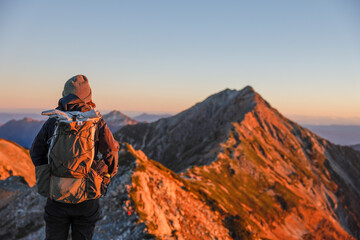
column 72, row 103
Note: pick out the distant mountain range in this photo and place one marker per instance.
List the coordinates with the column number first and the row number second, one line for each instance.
column 338, row 134
column 145, row 117
column 356, row 147
column 5, row 117
column 23, row 131
column 116, row 120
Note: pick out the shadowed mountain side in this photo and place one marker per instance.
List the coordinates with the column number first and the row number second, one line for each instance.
column 15, row 161
column 23, row 132
column 116, row 120
column 263, row 169
column 191, row 137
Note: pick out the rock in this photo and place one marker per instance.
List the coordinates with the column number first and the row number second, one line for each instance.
column 21, row 207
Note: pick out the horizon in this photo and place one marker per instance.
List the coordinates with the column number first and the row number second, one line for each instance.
column 162, row 57
column 305, row 120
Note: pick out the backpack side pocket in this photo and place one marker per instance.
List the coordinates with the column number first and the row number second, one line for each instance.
column 42, row 173
column 94, row 185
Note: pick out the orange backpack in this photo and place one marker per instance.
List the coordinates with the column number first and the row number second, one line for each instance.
column 68, row 176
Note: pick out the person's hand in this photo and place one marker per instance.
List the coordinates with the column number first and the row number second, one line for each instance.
column 106, row 179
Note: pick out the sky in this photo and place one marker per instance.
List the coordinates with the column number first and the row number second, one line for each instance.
column 303, row 56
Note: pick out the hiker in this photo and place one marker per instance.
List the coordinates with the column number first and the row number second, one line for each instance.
column 68, row 169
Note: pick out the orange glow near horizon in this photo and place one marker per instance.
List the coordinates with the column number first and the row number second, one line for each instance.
column 298, row 110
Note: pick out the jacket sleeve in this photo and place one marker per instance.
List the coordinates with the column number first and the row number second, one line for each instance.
column 109, row 148
column 39, row 147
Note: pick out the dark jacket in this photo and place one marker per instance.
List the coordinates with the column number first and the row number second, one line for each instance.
column 105, row 143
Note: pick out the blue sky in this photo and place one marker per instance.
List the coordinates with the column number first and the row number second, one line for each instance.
column 164, row 56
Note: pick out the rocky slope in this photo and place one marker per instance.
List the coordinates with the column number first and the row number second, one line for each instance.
column 23, row 132
column 15, row 161
column 145, row 201
column 116, row 120
column 155, row 202
column 21, row 210
column 269, row 176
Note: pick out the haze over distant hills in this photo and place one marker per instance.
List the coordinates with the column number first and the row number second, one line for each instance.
column 356, row 147
column 5, row 117
column 115, row 120
column 145, row 117
column 23, row 131
column 339, row 134
column 343, row 134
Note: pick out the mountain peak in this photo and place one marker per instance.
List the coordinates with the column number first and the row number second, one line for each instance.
column 116, row 119
column 231, row 93
column 116, row 113
column 247, row 88
column 203, row 126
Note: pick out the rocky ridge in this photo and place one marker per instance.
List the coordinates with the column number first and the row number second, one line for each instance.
column 162, row 200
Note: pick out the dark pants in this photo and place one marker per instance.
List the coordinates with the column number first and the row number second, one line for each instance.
column 81, row 217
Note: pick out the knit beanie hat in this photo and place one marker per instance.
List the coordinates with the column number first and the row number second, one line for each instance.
column 79, row 86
